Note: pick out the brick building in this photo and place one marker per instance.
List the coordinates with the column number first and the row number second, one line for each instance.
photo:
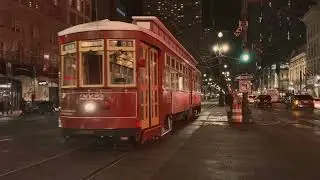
column 29, row 50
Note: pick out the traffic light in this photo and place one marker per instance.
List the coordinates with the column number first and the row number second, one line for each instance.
column 245, row 57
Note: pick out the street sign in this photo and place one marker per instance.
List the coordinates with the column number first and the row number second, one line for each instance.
column 244, row 24
column 244, row 77
column 244, row 86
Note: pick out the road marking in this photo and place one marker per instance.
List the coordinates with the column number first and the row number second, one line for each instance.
column 5, row 138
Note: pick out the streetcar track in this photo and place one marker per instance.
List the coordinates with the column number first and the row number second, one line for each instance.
column 5, row 138
column 37, row 164
column 47, row 160
column 43, row 161
column 103, row 168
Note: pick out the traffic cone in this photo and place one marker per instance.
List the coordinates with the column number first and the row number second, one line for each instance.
column 236, row 113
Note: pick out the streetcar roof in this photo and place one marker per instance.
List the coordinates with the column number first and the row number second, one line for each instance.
column 107, row 25
column 103, row 25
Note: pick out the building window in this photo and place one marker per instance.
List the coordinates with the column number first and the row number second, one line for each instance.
column 34, row 31
column 55, row 2
column 53, row 38
column 2, row 50
column 79, row 5
column 72, row 18
column 73, row 4
column 16, row 25
column 1, row 20
column 87, row 9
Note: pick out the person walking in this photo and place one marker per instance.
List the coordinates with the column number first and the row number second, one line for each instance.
column 229, row 101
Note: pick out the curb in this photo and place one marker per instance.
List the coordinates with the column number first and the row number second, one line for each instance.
column 312, row 123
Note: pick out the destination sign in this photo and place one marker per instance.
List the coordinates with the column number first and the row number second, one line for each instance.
column 96, row 43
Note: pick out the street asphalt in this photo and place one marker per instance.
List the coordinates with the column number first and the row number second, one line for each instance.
column 279, row 144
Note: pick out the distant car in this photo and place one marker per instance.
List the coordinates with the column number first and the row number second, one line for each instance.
column 302, row 102
column 288, row 98
column 263, row 101
column 251, row 98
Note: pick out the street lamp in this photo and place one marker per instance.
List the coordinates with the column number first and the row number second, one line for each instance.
column 220, row 34
column 225, row 66
column 216, row 48
column 204, row 75
column 221, row 48
column 225, row 47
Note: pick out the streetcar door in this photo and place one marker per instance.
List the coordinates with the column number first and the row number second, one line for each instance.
column 143, row 79
column 148, row 88
column 153, row 63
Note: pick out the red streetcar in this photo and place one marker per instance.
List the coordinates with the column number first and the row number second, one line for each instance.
column 128, row 81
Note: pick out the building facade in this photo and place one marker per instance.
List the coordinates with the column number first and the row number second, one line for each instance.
column 182, row 17
column 275, row 28
column 311, row 20
column 270, row 79
column 29, row 52
column 115, row 10
column 297, row 72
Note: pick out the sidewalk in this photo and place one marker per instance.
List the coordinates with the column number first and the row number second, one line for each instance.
column 7, row 117
column 242, row 152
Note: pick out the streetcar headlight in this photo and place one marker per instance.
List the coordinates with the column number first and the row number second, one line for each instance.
column 90, row 107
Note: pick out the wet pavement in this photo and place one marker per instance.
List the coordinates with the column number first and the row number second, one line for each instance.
column 280, row 144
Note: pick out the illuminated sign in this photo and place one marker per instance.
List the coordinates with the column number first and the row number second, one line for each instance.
column 69, row 47
column 121, row 12
column 43, row 83
column 85, row 44
column 6, row 86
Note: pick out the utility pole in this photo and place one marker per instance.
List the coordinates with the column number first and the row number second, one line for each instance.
column 244, row 20
column 300, row 81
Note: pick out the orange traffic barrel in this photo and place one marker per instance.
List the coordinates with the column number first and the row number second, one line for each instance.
column 236, row 113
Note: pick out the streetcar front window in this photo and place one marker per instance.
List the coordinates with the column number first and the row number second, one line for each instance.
column 121, row 58
column 121, row 67
column 91, row 63
column 92, row 68
column 69, row 71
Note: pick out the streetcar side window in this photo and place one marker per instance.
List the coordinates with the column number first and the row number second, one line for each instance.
column 69, row 65
column 167, row 78
column 69, row 70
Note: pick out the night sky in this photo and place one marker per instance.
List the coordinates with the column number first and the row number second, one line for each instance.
column 226, row 14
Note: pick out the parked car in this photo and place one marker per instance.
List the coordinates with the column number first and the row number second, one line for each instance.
column 251, row 98
column 301, row 102
column 263, row 101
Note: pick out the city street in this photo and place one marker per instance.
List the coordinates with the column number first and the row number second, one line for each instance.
column 280, row 144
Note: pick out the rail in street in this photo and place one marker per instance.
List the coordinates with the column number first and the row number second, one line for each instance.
column 278, row 145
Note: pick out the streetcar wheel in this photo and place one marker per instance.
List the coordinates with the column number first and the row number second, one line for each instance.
column 168, row 125
column 195, row 114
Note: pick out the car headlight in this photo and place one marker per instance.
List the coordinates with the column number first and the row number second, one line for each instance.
column 59, row 123
column 90, row 107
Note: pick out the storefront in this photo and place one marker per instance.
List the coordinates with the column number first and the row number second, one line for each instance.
column 10, row 93
column 43, row 88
